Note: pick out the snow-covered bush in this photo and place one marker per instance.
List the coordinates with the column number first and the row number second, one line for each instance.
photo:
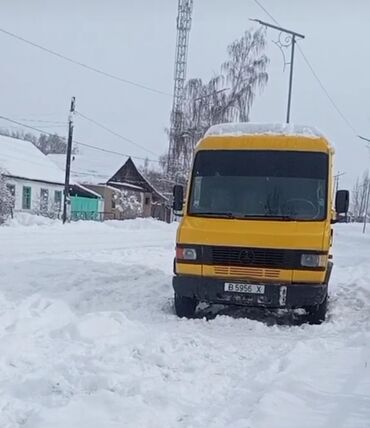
column 129, row 204
column 6, row 199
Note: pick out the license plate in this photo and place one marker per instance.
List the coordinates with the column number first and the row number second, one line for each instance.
column 237, row 287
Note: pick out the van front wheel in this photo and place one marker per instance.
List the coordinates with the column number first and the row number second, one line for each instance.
column 185, row 306
column 317, row 313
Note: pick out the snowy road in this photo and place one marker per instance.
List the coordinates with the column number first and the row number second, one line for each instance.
column 88, row 339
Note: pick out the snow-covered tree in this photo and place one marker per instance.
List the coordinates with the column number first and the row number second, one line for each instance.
column 46, row 143
column 245, row 72
column 6, row 199
column 128, row 203
column 43, row 207
column 227, row 97
column 359, row 196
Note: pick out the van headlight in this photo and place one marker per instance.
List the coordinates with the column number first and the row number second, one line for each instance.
column 186, row 253
column 313, row 260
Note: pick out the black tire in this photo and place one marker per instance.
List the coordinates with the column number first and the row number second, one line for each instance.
column 185, row 306
column 317, row 313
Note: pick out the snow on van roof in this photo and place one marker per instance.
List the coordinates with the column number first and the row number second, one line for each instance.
column 249, row 128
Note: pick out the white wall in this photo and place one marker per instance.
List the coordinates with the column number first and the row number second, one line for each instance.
column 35, row 193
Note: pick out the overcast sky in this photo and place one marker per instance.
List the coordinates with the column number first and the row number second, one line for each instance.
column 135, row 39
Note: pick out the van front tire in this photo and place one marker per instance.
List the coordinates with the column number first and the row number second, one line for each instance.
column 185, row 306
column 317, row 313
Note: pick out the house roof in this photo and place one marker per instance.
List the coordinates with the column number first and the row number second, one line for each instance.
column 89, row 191
column 129, row 174
column 91, row 167
column 127, row 185
column 21, row 159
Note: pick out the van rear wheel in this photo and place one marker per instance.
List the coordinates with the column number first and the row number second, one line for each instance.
column 185, row 306
column 317, row 313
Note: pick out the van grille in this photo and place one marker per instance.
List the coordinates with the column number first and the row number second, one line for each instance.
column 244, row 272
column 233, row 256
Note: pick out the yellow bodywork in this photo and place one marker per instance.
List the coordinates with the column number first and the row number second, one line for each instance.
column 308, row 235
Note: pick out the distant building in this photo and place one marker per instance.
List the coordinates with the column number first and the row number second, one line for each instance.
column 34, row 181
column 126, row 192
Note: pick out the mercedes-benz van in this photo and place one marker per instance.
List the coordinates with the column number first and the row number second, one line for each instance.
column 257, row 217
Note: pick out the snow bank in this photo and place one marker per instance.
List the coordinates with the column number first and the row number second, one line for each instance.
column 88, row 339
column 26, row 219
column 238, row 129
column 22, row 219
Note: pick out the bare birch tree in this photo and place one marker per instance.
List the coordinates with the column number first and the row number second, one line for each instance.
column 229, row 96
column 359, row 195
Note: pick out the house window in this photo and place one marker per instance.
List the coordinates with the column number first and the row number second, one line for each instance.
column 26, row 198
column 11, row 191
column 147, row 201
column 58, row 200
column 44, row 200
column 113, row 202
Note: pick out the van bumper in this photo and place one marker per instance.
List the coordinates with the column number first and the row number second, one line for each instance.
column 211, row 290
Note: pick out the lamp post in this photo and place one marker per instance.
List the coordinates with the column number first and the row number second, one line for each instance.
column 290, row 40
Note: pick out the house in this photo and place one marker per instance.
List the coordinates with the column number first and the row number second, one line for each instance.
column 35, row 182
column 128, row 178
column 126, row 192
column 32, row 179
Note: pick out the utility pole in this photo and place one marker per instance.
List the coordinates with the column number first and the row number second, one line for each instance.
column 68, row 160
column 290, row 40
column 366, row 207
column 336, row 179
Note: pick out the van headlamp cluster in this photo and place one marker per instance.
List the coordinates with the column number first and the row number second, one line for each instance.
column 313, row 260
column 186, row 253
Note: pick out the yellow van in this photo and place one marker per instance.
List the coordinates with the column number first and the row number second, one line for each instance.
column 256, row 225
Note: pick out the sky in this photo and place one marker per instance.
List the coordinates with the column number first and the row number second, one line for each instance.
column 136, row 40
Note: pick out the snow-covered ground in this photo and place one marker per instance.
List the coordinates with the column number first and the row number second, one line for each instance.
column 88, row 339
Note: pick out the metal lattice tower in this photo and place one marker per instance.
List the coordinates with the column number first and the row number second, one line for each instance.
column 177, row 146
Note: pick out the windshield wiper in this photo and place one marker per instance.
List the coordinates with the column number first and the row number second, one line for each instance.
column 212, row 214
column 271, row 217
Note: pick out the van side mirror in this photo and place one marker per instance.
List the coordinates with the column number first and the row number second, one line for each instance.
column 178, row 199
column 342, row 201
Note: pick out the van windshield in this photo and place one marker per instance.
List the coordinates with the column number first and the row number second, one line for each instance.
column 286, row 185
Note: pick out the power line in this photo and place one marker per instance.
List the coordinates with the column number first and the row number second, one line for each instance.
column 333, row 103
column 114, row 133
column 57, row 122
column 114, row 152
column 42, row 131
column 26, row 126
column 86, row 66
column 266, row 12
column 315, row 75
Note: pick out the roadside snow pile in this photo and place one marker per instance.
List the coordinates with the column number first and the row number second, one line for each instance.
column 88, row 339
column 26, row 219
column 248, row 128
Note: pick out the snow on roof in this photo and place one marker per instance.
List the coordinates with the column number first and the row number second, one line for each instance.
column 22, row 159
column 88, row 190
column 90, row 166
column 249, row 128
column 125, row 184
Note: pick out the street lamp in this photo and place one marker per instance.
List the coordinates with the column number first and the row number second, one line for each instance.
column 290, row 40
